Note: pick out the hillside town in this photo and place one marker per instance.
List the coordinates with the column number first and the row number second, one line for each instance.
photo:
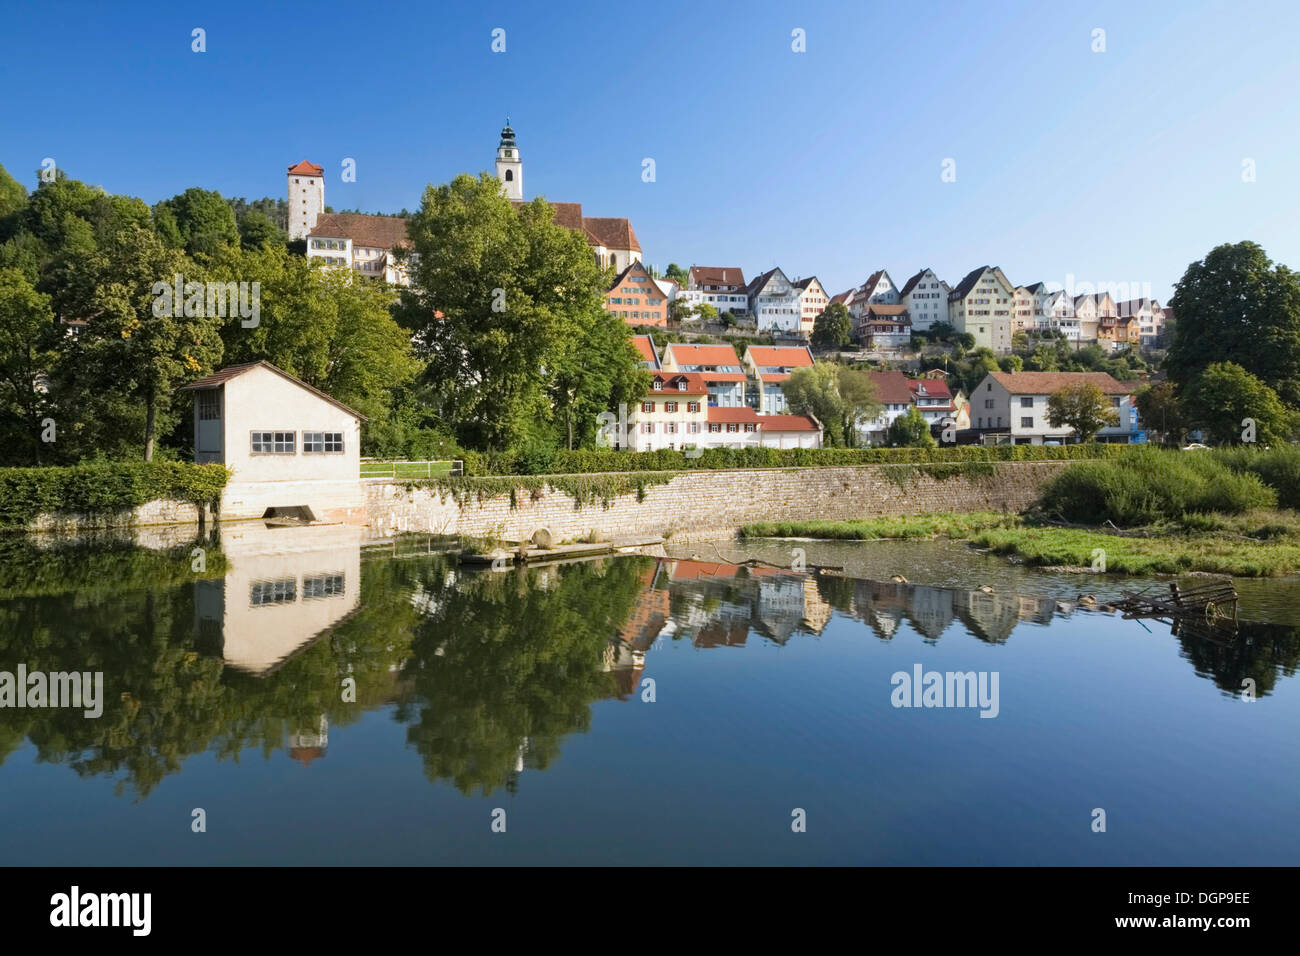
column 722, row 398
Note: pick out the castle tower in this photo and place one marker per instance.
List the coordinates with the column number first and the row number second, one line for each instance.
column 306, row 198
column 510, row 169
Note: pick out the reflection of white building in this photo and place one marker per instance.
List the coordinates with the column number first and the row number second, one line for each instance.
column 284, row 587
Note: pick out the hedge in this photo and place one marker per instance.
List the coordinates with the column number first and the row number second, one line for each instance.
column 105, row 487
column 606, row 460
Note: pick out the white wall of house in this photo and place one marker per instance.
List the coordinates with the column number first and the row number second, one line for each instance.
column 987, row 312
column 927, row 303
column 668, row 419
column 306, row 203
column 261, row 401
column 1024, row 416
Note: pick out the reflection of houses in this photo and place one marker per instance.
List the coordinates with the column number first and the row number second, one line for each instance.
column 284, row 587
column 989, row 616
column 930, row 611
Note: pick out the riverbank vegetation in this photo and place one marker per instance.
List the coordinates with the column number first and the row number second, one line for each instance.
column 103, row 488
column 1148, row 512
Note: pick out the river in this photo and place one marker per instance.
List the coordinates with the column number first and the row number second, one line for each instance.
column 303, row 696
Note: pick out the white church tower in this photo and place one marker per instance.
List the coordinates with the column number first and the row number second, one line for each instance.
column 306, row 198
column 510, row 169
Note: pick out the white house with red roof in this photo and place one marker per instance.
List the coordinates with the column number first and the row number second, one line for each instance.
column 745, row 428
column 719, row 366
column 894, row 393
column 1016, row 404
column 769, row 367
column 813, row 301
column 361, row 243
column 933, row 399
column 722, row 287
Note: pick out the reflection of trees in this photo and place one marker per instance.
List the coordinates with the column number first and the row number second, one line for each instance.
column 163, row 700
column 504, row 668
column 1259, row 652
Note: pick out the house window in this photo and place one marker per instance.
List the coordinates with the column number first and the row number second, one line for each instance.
column 714, row 427
column 209, row 405
column 693, row 428
column 670, row 406
column 322, row 442
column 273, row 443
column 1027, row 401
column 322, row 586
column 658, row 386
column 733, row 427
column 647, row 406
column 283, row 591
column 671, row 428
column 988, row 403
column 750, row 427
column 692, row 406
column 1027, row 422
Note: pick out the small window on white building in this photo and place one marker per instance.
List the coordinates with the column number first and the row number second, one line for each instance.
column 322, row 442
column 274, row 443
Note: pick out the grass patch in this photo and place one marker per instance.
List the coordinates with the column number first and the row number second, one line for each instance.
column 866, row 529
column 1259, row 543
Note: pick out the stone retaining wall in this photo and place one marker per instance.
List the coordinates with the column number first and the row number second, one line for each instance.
column 709, row 503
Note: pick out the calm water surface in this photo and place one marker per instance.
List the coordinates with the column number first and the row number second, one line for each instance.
column 526, row 691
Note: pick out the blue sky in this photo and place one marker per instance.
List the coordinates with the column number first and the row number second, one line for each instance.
column 1117, row 166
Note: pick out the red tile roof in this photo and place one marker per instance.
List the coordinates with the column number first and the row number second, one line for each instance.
column 892, row 388
column 789, row 423
column 612, row 233
column 695, row 383
column 379, row 232
column 306, row 169
column 934, row 387
column 733, row 414
column 646, row 346
column 792, row 356
column 718, row 275
column 877, row 309
column 1045, row 383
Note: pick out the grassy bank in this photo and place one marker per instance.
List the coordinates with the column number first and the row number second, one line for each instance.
column 1260, row 543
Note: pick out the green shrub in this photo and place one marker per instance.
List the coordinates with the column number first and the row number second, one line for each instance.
column 1150, row 484
column 1278, row 467
column 103, row 487
column 585, row 461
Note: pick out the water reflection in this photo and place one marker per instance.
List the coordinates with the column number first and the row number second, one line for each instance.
column 291, row 634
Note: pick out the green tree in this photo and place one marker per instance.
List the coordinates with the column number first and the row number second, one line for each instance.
column 257, row 229
column 910, row 431
column 677, row 274
column 832, row 327
column 1236, row 306
column 1083, row 407
column 13, row 198
column 204, row 221
column 1225, row 398
column 860, row 404
column 815, row 391
column 501, row 302
column 119, row 378
column 27, row 354
column 1160, row 411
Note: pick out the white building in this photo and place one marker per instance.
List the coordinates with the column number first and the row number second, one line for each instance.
column 983, row 305
column 289, row 446
column 510, row 167
column 306, row 198
column 722, row 287
column 361, row 243
column 894, row 393
column 879, row 289
column 1016, row 404
column 775, row 303
column 812, row 302
column 926, row 297
column 718, row 365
